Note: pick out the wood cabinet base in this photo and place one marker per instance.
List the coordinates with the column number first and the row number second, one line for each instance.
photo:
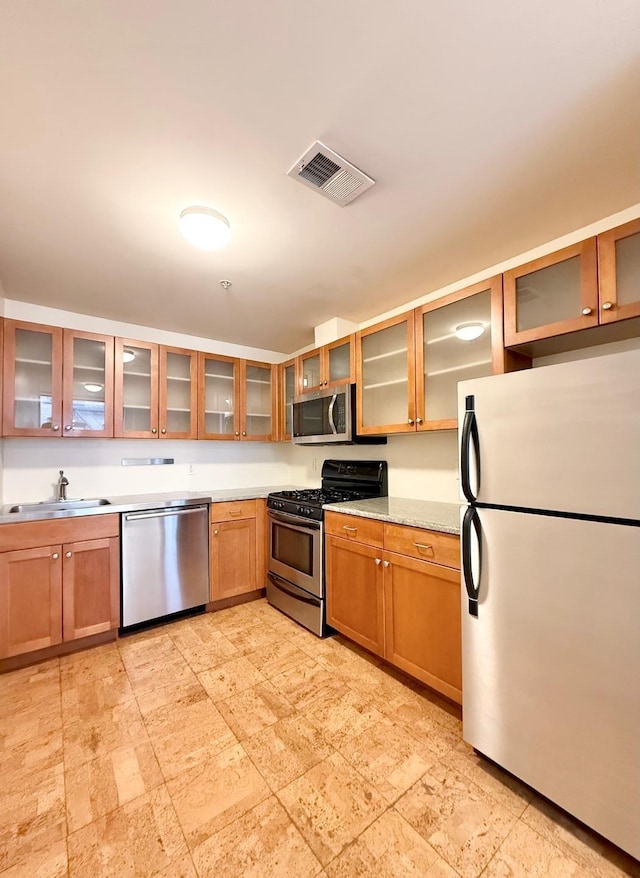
column 212, row 606
column 42, row 655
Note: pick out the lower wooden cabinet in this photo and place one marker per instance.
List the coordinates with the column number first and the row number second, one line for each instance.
column 238, row 548
column 60, row 591
column 355, row 603
column 398, row 606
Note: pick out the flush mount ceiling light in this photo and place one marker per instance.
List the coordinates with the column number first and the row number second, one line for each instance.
column 93, row 388
column 205, row 228
column 469, row 331
column 128, row 356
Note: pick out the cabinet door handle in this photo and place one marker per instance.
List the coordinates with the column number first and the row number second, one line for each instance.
column 385, row 563
column 163, row 430
column 55, row 556
column 378, row 561
column 244, row 432
column 154, row 429
column 67, row 554
column 55, row 427
column 70, row 426
column 587, row 311
column 420, row 546
column 607, row 306
column 215, row 533
column 237, row 433
column 352, row 529
column 419, row 421
column 410, row 421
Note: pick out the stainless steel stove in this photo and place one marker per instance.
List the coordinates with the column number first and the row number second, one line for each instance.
column 296, row 536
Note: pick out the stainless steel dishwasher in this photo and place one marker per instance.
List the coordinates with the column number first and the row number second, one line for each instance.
column 165, row 562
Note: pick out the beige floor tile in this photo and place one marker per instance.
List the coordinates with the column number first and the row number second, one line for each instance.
column 256, row 637
column 388, row 756
column 149, row 647
column 263, row 843
column 204, row 647
column 592, row 853
column 277, row 658
column 157, row 674
column 331, row 805
column 421, row 720
column 230, row 678
column 182, row 868
column 105, row 784
column 39, row 753
column 89, row 699
column 50, row 862
column 499, row 784
column 306, row 683
column 525, row 854
column 215, row 793
column 254, row 709
column 89, row 665
column 389, row 848
column 235, row 620
column 342, row 715
column 29, row 687
column 175, row 683
column 141, row 838
column 115, row 727
column 186, row 734
column 457, row 818
column 309, row 643
column 28, row 724
column 286, row 750
column 349, row 662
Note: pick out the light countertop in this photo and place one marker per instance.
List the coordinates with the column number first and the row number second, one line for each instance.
column 443, row 517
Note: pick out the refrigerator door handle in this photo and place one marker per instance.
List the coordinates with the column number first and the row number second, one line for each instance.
column 470, row 439
column 471, row 520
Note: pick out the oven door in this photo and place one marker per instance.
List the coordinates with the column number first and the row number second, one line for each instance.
column 295, row 551
column 322, row 417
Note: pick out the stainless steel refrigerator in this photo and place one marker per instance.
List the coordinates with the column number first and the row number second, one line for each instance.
column 550, row 469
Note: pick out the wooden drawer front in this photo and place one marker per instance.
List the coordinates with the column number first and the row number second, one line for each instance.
column 352, row 527
column 427, row 545
column 229, row 511
column 31, row 534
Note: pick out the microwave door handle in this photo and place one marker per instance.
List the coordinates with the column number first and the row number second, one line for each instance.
column 330, row 414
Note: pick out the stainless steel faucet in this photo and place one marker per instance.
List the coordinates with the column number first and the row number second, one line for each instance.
column 63, row 482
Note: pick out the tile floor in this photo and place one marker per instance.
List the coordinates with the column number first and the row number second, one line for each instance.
column 237, row 744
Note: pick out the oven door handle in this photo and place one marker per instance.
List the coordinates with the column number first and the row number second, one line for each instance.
column 292, row 521
column 282, row 585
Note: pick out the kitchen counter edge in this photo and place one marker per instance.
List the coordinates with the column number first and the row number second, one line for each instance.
column 428, row 514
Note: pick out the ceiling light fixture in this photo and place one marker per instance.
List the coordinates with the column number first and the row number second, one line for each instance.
column 93, row 388
column 205, row 228
column 469, row 331
column 128, row 356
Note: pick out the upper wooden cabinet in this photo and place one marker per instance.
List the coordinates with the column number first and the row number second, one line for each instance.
column 327, row 366
column 56, row 382
column 236, row 399
column 619, row 272
column 256, row 406
column 409, row 367
column 156, row 391
column 287, row 389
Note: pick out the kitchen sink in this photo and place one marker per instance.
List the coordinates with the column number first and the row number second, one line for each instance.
column 58, row 505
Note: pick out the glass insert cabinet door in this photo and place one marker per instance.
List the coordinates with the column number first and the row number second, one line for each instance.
column 311, row 370
column 219, row 391
column 338, row 365
column 136, row 389
column 32, row 380
column 178, row 393
column 88, row 385
column 289, row 390
column 257, row 413
column 619, row 276
column 386, row 377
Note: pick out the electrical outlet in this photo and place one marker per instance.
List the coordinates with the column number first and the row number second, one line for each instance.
column 191, row 469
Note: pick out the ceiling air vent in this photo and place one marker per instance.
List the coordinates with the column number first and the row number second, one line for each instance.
column 323, row 170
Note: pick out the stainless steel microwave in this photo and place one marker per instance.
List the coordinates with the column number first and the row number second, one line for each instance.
column 327, row 417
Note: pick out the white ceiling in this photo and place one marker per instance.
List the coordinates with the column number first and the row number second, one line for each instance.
column 489, row 127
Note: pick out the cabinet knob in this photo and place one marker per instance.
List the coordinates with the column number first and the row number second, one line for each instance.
column 67, row 554
column 419, row 421
column 237, row 433
column 378, row 561
column 587, row 311
column 215, row 533
column 68, row 426
column 55, row 427
column 607, row 306
column 55, row 556
column 154, row 429
column 163, row 431
column 385, row 563
column 410, row 421
column 244, row 432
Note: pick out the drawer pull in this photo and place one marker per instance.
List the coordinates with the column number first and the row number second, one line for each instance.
column 423, row 546
column 352, row 529
column 235, row 513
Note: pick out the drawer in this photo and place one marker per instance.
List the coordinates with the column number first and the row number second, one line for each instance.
column 53, row 531
column 353, row 527
column 230, row 510
column 427, row 545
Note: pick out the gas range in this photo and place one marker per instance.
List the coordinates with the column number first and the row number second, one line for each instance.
column 308, row 503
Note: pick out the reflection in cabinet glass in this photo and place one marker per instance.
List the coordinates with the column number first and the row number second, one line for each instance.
column 136, row 389
column 628, row 270
column 178, row 392
column 33, row 387
column 549, row 295
column 258, row 400
column 219, row 397
column 385, row 365
column 311, row 371
column 448, row 358
column 88, row 413
column 340, row 362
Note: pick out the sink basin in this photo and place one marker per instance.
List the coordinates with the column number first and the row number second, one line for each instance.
column 58, row 505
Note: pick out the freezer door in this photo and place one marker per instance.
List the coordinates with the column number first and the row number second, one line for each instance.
column 551, row 663
column 564, row 438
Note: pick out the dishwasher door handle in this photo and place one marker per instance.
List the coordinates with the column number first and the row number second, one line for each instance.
column 138, row 516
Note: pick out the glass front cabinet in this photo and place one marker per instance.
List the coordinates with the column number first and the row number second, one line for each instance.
column 178, row 393
column 328, row 366
column 136, row 389
column 218, row 410
column 44, row 398
column 288, row 388
column 256, row 401
column 619, row 272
